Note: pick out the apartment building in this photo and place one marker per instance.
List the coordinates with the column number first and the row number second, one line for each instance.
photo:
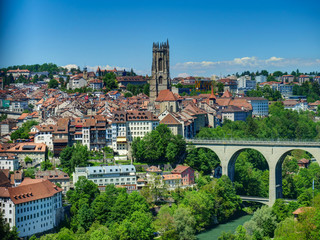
column 57, row 177
column 60, row 137
column 260, row 106
column 43, row 134
column 36, row 151
column 9, row 161
column 34, row 206
column 119, row 175
column 127, row 125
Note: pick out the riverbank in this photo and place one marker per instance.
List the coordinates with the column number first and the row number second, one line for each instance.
column 231, row 226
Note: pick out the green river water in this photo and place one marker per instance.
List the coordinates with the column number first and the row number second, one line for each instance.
column 231, row 226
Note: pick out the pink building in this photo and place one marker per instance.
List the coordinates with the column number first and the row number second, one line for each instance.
column 186, row 173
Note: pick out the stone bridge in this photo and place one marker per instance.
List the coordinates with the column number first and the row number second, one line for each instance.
column 262, row 200
column 273, row 151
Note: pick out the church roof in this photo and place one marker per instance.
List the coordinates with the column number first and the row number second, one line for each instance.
column 212, row 96
column 227, row 94
column 170, row 120
column 166, row 96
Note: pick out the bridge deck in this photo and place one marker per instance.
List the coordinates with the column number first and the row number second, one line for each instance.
column 261, row 199
column 254, row 142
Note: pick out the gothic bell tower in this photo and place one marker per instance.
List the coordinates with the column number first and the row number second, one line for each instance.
column 160, row 69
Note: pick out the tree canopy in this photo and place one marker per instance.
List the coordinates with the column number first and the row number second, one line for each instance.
column 110, row 81
column 23, row 132
column 75, row 156
column 281, row 124
column 159, row 146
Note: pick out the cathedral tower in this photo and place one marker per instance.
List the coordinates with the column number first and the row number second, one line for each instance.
column 160, row 69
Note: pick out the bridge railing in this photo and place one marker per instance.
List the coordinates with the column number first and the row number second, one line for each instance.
column 257, row 141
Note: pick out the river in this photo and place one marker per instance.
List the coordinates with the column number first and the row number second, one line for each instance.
column 231, row 226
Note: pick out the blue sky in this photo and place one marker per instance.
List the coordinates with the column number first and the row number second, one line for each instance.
column 206, row 37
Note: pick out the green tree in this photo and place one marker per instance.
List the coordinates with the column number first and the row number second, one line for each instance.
column 3, row 117
column 202, row 159
column 280, row 210
column 29, row 172
column 53, row 83
column 85, row 192
column 159, row 146
column 127, row 95
column 165, row 223
column 184, row 223
column 137, row 227
column 5, row 232
column 104, row 203
column 262, row 224
column 27, row 160
column 65, row 157
column 227, row 236
column 227, row 203
column 85, row 216
column 46, row 165
column 220, row 87
column 277, row 74
column 110, row 81
column 23, row 132
column 202, row 207
column 146, row 89
column 75, row 156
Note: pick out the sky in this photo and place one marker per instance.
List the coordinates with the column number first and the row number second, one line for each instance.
column 205, row 37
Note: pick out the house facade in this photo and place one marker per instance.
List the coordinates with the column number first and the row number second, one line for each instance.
column 33, row 207
column 186, row 173
column 118, row 175
column 9, row 161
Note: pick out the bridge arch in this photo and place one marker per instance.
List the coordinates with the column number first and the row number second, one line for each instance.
column 273, row 151
column 279, row 163
column 211, row 158
column 235, row 155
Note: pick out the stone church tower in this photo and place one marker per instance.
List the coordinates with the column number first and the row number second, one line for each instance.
column 160, row 69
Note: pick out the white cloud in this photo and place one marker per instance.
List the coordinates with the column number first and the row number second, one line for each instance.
column 106, row 67
column 272, row 59
column 246, row 63
column 183, row 75
column 69, row 66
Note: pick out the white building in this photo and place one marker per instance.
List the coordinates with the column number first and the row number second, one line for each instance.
column 18, row 105
column 17, row 72
column 34, row 206
column 36, row 151
column 44, row 135
column 9, row 161
column 77, row 83
column 260, row 106
column 129, row 125
column 119, row 175
column 261, row 79
column 245, row 82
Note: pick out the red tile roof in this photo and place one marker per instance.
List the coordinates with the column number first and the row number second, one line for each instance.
column 171, row 177
column 33, row 189
column 165, row 96
column 304, row 161
column 170, row 120
column 302, row 210
column 227, row 94
column 180, row 169
column 153, row 169
column 4, row 180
